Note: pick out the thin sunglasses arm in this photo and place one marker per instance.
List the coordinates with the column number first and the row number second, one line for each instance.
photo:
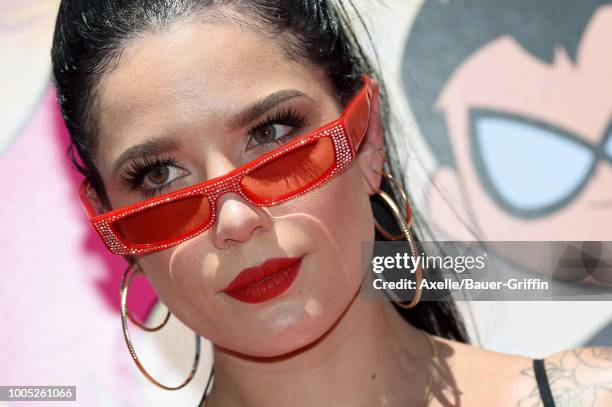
column 357, row 117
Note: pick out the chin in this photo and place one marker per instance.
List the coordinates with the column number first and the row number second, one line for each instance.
column 288, row 335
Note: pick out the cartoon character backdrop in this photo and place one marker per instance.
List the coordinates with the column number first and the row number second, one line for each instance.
column 513, row 99
column 508, row 105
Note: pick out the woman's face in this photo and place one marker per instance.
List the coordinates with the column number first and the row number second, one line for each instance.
column 181, row 91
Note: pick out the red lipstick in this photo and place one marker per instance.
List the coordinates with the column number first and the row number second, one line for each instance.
column 266, row 281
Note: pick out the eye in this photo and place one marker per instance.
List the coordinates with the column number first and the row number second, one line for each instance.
column 160, row 176
column 152, row 175
column 271, row 133
column 276, row 129
column 528, row 165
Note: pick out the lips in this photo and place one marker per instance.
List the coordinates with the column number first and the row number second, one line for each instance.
column 266, row 281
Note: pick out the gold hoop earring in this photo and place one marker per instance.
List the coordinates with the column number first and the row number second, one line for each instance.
column 407, row 207
column 126, row 280
column 404, row 225
column 129, row 314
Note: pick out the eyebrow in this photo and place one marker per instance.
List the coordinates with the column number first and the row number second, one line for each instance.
column 148, row 148
column 242, row 118
column 255, row 110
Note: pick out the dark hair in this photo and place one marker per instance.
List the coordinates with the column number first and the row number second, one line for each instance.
column 88, row 40
column 445, row 34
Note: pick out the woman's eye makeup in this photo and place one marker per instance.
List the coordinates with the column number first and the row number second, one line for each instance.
column 154, row 175
column 276, row 129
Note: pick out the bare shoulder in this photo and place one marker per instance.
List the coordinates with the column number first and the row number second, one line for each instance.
column 472, row 376
column 467, row 375
column 578, row 377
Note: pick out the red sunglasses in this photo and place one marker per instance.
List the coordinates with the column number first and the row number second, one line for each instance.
column 291, row 170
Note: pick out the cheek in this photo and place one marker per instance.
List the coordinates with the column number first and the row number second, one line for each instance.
column 345, row 212
column 185, row 278
column 326, row 225
column 334, row 221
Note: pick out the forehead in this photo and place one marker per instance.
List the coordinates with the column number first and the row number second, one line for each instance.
column 574, row 95
column 194, row 69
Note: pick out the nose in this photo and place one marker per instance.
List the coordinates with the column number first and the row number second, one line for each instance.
column 237, row 221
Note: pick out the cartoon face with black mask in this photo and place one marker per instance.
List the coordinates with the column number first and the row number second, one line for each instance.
column 515, row 101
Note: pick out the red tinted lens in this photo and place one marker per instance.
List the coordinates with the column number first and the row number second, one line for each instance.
column 168, row 221
column 292, row 172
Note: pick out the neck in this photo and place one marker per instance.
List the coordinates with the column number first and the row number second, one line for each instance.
column 371, row 356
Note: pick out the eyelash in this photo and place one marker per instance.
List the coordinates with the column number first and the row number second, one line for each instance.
column 285, row 116
column 138, row 169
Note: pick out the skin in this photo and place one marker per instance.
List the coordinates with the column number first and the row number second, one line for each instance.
column 319, row 342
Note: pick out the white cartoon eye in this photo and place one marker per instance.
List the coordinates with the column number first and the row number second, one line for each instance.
column 528, row 165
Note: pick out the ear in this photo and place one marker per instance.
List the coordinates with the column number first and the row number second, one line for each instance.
column 369, row 159
column 446, row 205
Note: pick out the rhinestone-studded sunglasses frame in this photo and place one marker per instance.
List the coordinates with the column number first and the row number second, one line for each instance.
column 346, row 134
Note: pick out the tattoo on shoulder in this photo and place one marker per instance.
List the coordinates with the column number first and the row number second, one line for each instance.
column 578, row 378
